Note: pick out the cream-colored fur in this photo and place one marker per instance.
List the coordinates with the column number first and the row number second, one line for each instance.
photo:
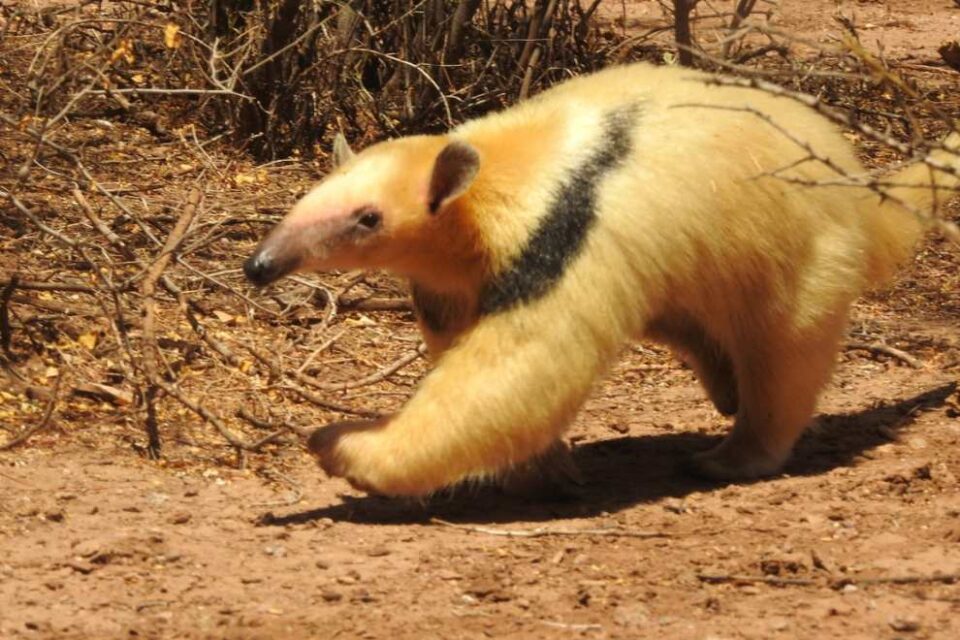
column 749, row 276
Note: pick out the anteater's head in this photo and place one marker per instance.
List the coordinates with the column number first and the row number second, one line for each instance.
column 391, row 206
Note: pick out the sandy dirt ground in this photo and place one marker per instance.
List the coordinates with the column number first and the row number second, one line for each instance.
column 858, row 538
column 96, row 544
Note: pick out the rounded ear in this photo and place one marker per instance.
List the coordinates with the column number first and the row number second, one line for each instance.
column 342, row 153
column 453, row 172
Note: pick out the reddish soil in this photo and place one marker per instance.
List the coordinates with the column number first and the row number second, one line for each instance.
column 99, row 544
column 859, row 538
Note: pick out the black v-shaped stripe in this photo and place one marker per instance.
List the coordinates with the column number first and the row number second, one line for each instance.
column 561, row 234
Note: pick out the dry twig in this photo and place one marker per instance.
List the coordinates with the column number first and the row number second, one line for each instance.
column 832, row 582
column 879, row 347
column 44, row 422
column 5, row 332
column 373, row 378
column 543, row 532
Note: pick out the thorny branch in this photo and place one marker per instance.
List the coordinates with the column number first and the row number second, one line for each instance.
column 838, row 116
column 844, row 178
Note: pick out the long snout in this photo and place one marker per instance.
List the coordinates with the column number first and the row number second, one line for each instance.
column 279, row 254
column 313, row 236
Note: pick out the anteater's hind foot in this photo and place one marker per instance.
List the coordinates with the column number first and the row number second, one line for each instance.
column 779, row 380
column 736, row 458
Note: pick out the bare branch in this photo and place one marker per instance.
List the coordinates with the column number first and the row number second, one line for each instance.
column 44, row 422
column 148, row 290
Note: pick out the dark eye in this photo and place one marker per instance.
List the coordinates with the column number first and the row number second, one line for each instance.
column 369, row 219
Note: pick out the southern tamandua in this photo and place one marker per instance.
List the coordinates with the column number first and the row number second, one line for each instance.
column 635, row 202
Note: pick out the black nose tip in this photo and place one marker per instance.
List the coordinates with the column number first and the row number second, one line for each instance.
column 259, row 269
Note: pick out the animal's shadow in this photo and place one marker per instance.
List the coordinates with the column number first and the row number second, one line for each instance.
column 622, row 472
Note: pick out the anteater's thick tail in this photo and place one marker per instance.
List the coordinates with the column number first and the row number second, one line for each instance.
column 895, row 225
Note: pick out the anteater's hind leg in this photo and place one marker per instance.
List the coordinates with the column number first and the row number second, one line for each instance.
column 780, row 373
column 715, row 371
column 710, row 363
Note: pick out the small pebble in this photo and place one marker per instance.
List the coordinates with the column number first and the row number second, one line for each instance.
column 905, row 625
column 331, row 596
column 180, row 518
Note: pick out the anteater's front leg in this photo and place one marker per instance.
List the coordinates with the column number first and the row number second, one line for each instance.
column 350, row 450
column 501, row 396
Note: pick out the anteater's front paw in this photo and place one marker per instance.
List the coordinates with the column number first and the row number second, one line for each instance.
column 349, row 450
